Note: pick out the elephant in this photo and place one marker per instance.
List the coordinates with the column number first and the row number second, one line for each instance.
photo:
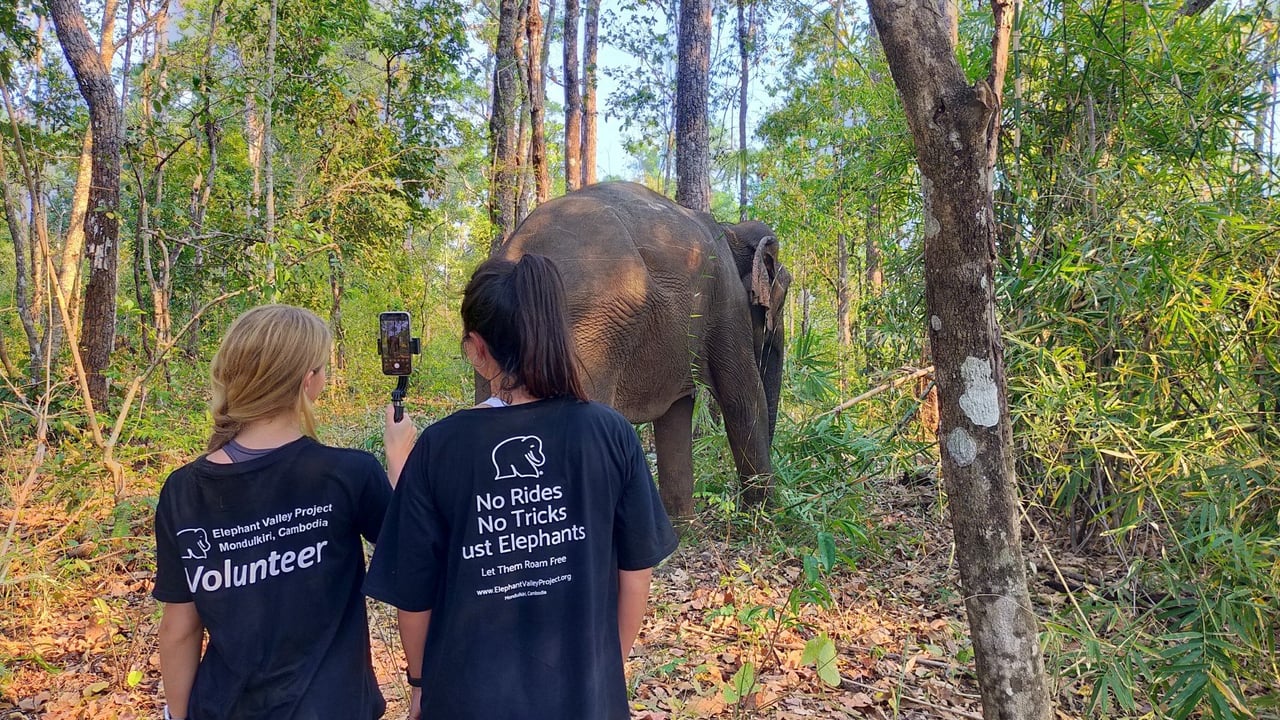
column 662, row 298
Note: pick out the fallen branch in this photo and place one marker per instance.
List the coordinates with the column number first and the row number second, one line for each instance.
column 855, row 685
column 896, row 382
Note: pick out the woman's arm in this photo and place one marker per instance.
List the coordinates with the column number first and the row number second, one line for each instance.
column 413, row 636
column 398, row 439
column 633, row 596
column 181, row 635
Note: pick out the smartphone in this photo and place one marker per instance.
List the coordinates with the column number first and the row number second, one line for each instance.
column 394, row 343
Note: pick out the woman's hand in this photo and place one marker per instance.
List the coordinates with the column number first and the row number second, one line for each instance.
column 398, row 439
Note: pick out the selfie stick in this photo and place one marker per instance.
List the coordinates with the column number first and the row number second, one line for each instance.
column 397, row 396
column 402, row 382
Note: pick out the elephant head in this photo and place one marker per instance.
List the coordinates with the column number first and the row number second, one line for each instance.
column 755, row 252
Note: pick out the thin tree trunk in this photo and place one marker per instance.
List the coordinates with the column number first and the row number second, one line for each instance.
column 842, row 290
column 524, row 145
column 956, row 128
column 27, row 286
column 97, row 337
column 268, row 152
column 744, row 80
column 693, row 159
column 590, row 52
column 537, row 95
column 502, row 126
column 337, row 288
column 572, row 100
column 201, row 190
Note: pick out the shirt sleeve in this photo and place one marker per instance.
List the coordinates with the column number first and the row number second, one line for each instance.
column 375, row 495
column 170, row 585
column 642, row 531
column 408, row 560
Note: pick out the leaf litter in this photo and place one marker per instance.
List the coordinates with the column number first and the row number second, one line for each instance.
column 728, row 634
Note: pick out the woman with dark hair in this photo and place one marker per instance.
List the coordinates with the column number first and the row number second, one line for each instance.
column 521, row 538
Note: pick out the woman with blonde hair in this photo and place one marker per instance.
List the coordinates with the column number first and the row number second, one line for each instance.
column 258, row 542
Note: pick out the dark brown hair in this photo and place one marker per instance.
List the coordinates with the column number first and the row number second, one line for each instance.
column 519, row 308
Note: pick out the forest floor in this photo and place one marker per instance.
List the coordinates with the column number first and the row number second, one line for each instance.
column 726, row 635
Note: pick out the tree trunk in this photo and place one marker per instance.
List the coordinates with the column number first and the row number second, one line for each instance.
column 70, row 266
column 101, row 226
column 27, row 286
column 572, row 100
column 744, row 79
column 842, row 290
column 693, row 161
column 956, row 128
column 590, row 52
column 537, row 94
column 268, row 167
column 337, row 288
column 524, row 177
column 502, row 126
column 201, row 190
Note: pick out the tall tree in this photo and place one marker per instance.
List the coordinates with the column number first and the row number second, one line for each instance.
column 744, row 84
column 693, row 81
column 956, row 126
column 537, row 94
column 101, row 224
column 572, row 100
column 268, row 150
column 590, row 52
column 503, row 144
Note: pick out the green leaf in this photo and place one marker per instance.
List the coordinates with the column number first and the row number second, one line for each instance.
column 826, row 550
column 135, row 677
column 821, row 653
column 741, row 684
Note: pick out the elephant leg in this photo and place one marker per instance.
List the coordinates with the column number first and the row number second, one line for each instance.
column 673, row 433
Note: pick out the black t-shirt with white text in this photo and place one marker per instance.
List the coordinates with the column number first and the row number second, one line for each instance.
column 510, row 524
column 269, row 550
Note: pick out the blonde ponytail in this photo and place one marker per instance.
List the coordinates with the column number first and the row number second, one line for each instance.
column 260, row 367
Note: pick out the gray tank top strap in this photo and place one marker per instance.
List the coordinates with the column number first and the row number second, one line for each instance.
column 240, row 453
column 494, row 402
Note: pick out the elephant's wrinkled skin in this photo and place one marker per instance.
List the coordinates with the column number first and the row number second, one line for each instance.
column 659, row 295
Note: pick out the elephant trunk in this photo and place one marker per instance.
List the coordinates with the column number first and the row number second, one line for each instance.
column 770, row 360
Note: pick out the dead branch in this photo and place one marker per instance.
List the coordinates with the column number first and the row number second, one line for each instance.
column 896, row 382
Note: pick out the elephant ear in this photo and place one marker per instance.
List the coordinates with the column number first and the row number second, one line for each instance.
column 764, row 275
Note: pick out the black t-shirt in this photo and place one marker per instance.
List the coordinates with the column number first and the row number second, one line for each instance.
column 269, row 550
column 510, row 524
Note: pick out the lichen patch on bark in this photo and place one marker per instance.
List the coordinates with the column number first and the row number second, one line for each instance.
column 980, row 401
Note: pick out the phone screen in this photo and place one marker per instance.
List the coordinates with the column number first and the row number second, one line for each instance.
column 394, row 339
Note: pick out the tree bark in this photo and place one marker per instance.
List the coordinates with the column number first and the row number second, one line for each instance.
column 28, row 288
column 524, row 146
column 956, row 128
column 69, row 267
column 572, row 100
column 537, row 105
column 502, row 126
column 744, row 80
column 268, row 152
column 101, row 226
column 693, row 161
column 590, row 53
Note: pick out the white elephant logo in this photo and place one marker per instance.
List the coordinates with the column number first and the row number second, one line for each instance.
column 195, row 543
column 520, row 456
